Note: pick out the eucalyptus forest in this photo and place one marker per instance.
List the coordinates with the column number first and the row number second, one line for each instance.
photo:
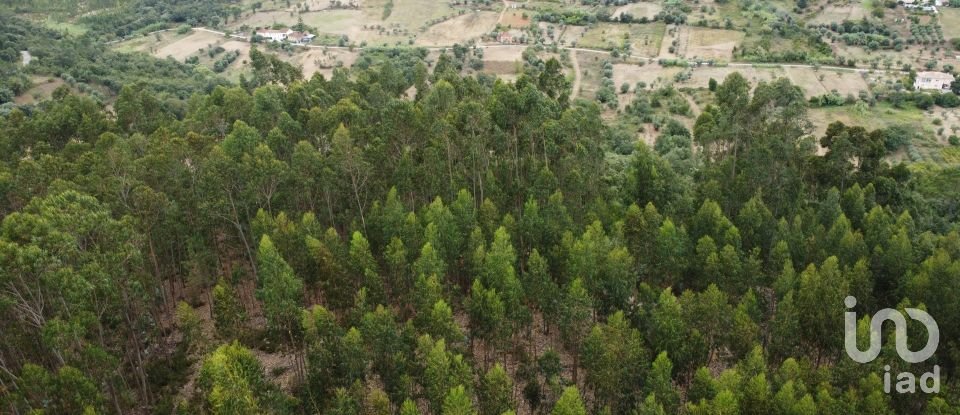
column 399, row 238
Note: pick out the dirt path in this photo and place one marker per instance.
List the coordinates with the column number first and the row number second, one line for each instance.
column 576, row 75
column 694, row 107
column 504, row 11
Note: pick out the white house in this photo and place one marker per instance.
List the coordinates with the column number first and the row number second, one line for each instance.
column 280, row 35
column 300, row 38
column 933, row 80
column 274, row 35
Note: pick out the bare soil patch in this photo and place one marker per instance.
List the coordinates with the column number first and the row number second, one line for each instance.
column 514, row 18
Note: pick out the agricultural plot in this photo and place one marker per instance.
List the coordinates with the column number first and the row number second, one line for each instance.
column 638, row 10
column 148, row 43
column 950, row 22
column 416, row 14
column 591, row 68
column 880, row 116
column 515, row 18
column 705, row 43
column 651, row 74
column 853, row 11
column 187, row 46
column 642, row 39
column 244, row 48
column 323, row 61
column 502, row 60
column 350, row 23
column 460, row 29
column 268, row 18
column 700, row 77
column 569, row 34
column 815, row 83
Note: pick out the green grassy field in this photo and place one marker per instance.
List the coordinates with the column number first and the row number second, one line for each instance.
column 65, row 26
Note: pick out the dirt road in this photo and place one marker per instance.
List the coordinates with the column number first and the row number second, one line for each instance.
column 576, row 74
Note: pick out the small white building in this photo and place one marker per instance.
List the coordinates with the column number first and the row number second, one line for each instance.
column 300, row 38
column 274, row 35
column 933, row 81
column 280, row 35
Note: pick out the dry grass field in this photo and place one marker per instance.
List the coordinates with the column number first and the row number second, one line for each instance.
column 42, row 89
column 502, row 60
column 323, row 61
column 237, row 66
column 880, row 116
column 189, row 45
column 638, row 10
column 570, row 34
column 644, row 39
column 148, row 43
column 460, row 29
column 822, row 82
column 950, row 22
column 514, row 18
column 413, row 14
column 838, row 13
column 652, row 74
column 700, row 77
column 705, row 43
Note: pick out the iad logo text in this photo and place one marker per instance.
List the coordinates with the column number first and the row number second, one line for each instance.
column 906, row 381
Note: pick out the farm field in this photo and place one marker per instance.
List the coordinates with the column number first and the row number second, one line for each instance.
column 183, row 47
column 148, row 44
column 705, row 43
column 460, row 29
column 643, row 39
column 652, row 74
column 950, row 22
column 837, row 13
column 323, row 61
column 700, row 77
column 570, row 34
column 815, row 83
column 417, row 14
column 590, row 64
column 515, row 18
column 880, row 116
column 639, row 10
